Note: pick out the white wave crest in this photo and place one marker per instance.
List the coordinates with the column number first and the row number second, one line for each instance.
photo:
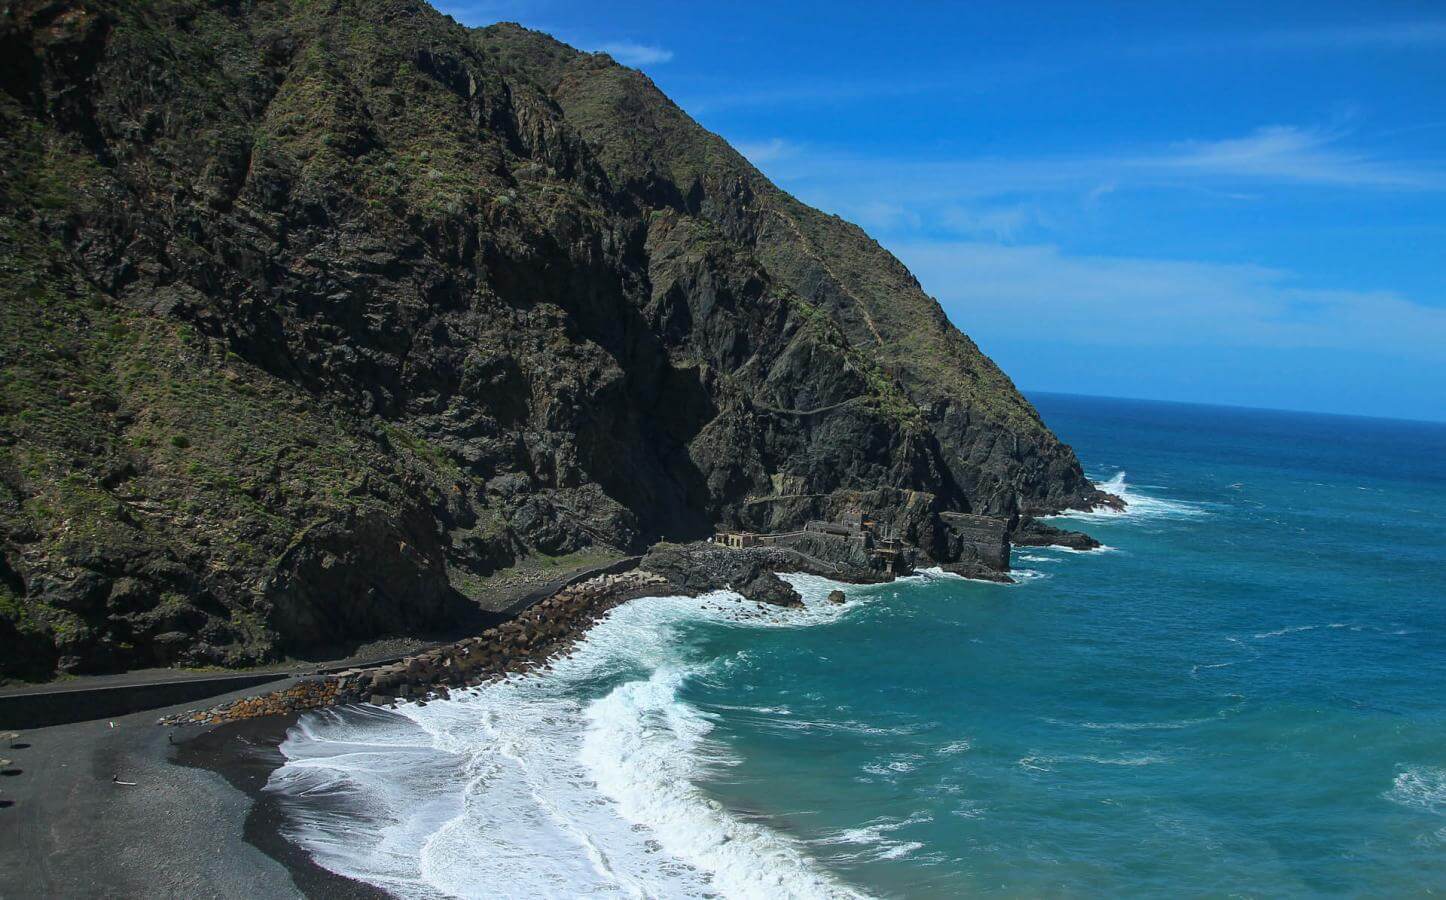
column 1295, row 629
column 1048, row 763
column 1420, row 787
column 537, row 786
column 876, row 840
column 938, row 572
column 1138, row 506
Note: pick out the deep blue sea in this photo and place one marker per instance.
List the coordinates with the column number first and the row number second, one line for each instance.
column 1244, row 695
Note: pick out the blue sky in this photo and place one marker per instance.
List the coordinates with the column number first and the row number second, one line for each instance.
column 1214, row 202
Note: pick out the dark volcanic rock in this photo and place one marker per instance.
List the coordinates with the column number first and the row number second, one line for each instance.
column 1033, row 533
column 977, row 571
column 315, row 315
column 979, row 541
column 837, row 597
column 700, row 567
column 767, row 587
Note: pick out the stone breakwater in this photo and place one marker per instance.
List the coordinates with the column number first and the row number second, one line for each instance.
column 530, row 640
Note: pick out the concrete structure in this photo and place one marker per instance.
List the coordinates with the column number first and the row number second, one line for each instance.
column 738, row 540
column 855, row 527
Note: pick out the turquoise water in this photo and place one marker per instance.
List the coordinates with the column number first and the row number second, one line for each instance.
column 1244, row 695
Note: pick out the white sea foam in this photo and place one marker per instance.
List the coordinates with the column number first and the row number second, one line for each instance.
column 1055, row 548
column 894, row 764
column 875, row 839
column 1294, row 629
column 1022, row 576
column 1195, row 669
column 1170, row 725
column 1019, row 576
column 1420, row 787
column 1137, row 505
column 1048, row 763
column 536, row 786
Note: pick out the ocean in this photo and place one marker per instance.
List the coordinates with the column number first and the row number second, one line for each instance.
column 1244, row 693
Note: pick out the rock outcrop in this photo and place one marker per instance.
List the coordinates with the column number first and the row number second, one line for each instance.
column 315, row 315
column 697, row 568
column 1033, row 533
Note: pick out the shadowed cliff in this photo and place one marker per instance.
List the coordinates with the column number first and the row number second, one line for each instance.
column 316, row 314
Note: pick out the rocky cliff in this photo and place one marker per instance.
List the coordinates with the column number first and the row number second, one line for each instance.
column 315, row 314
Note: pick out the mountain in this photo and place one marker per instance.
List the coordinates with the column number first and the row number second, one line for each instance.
column 318, row 315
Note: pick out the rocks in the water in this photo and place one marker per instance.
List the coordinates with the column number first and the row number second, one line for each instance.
column 1034, row 533
column 837, row 597
column 769, row 588
column 701, row 567
column 977, row 572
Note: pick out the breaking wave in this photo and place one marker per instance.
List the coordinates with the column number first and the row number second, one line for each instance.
column 875, row 840
column 545, row 784
column 1137, row 505
column 1420, row 787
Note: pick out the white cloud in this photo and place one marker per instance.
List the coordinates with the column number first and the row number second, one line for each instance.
column 1403, row 35
column 1278, row 154
column 1001, row 222
column 1385, row 35
column 1039, row 293
column 1286, row 153
column 759, row 152
column 632, row 54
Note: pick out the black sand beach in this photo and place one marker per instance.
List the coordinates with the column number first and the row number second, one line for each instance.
column 193, row 824
column 129, row 808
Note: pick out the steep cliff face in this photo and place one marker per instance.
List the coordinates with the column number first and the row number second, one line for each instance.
column 316, row 313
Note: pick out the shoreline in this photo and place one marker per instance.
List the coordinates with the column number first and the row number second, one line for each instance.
column 118, row 808
column 245, row 753
column 123, row 807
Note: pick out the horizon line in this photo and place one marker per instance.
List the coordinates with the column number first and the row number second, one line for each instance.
column 1028, row 392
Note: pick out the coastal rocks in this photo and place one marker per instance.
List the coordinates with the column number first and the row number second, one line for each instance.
column 980, row 542
column 525, row 642
column 837, row 597
column 700, row 567
column 767, row 587
column 977, row 572
column 1034, row 533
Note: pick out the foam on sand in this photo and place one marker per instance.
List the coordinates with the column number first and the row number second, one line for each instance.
column 581, row 780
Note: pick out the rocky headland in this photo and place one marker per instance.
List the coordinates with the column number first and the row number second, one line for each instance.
column 319, row 320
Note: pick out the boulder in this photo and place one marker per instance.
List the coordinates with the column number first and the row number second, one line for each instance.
column 767, row 587
column 1034, row 533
